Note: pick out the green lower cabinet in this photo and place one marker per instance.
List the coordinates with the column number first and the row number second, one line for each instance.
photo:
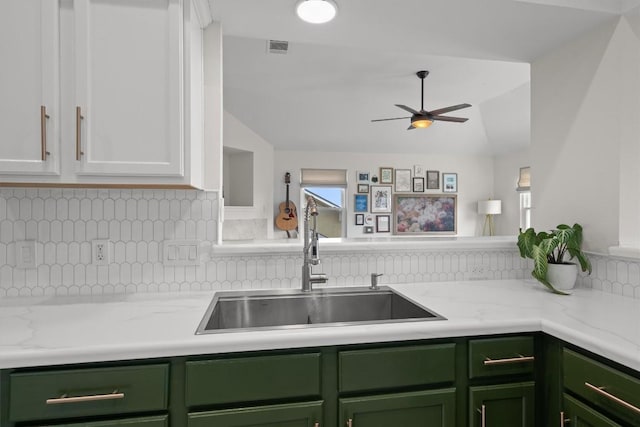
column 307, row 414
column 577, row 414
column 502, row 405
column 434, row 408
column 161, row 421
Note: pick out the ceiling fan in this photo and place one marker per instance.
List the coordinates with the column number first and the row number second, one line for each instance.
column 424, row 119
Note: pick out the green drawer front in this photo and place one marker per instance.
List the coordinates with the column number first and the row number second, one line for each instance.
column 500, row 356
column 580, row 415
column 162, row 421
column 377, row 369
column 142, row 388
column 580, row 370
column 288, row 415
column 247, row 379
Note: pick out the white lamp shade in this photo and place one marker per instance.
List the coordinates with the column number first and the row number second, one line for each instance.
column 316, row 11
column 490, row 207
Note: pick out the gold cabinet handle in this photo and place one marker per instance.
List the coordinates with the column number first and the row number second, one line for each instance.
column 520, row 359
column 349, row 422
column 43, row 132
column 602, row 392
column 563, row 420
column 91, row 398
column 316, row 425
column 79, row 117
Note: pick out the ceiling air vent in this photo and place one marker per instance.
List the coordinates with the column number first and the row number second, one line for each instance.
column 277, row 46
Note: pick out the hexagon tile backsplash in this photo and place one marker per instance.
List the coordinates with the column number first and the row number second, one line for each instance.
column 64, row 222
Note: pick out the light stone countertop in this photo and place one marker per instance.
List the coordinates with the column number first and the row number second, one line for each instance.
column 57, row 330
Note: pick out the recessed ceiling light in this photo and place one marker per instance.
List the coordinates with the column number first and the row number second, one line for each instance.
column 316, row 11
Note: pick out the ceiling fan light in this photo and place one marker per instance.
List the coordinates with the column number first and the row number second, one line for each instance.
column 421, row 123
column 316, row 11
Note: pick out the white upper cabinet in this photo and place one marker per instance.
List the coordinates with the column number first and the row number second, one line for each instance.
column 128, row 85
column 29, row 104
column 129, row 93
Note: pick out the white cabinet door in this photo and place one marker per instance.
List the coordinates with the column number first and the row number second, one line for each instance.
column 28, row 87
column 129, row 87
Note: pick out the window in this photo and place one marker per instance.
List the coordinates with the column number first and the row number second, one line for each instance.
column 327, row 187
column 525, row 210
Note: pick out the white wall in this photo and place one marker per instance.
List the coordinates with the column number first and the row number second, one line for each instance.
column 577, row 124
column 475, row 179
column 505, row 180
column 239, row 136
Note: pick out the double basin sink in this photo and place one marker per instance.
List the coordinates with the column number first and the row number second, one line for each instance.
column 279, row 309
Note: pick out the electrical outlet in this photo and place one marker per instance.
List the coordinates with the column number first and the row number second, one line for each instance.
column 101, row 252
column 478, row 272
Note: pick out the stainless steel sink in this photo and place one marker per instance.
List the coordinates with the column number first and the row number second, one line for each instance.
column 278, row 309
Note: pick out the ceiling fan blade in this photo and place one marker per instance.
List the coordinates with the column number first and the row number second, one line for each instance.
column 409, row 109
column 450, row 119
column 395, row 118
column 449, row 109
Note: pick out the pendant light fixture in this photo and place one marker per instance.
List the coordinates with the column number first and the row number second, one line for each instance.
column 316, row 11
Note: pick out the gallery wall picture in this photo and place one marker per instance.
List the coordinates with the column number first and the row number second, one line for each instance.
column 450, row 182
column 417, row 184
column 424, row 214
column 433, row 180
column 386, row 175
column 381, row 198
column 360, row 203
column 383, row 223
column 403, row 180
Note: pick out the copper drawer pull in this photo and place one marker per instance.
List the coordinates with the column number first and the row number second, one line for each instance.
column 520, row 359
column 92, row 398
column 43, row 132
column 602, row 392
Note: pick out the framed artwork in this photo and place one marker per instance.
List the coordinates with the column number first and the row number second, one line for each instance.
column 417, row 184
column 359, row 219
column 368, row 219
column 433, row 180
column 383, row 223
column 386, row 175
column 403, row 180
column 418, row 170
column 363, row 188
column 368, row 229
column 450, row 182
column 361, row 203
column 380, row 198
column 425, row 214
column 362, row 176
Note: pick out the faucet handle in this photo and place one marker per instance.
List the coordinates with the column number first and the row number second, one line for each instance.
column 374, row 280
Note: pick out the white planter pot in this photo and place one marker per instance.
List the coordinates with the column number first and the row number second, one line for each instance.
column 562, row 276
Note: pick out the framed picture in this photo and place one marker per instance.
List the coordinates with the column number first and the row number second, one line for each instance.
column 403, row 180
column 383, row 223
column 359, row 219
column 368, row 219
column 450, row 182
column 362, row 176
column 417, row 183
column 425, row 214
column 363, row 188
column 361, row 203
column 433, row 180
column 380, row 198
column 386, row 175
column 418, row 170
column 368, row 229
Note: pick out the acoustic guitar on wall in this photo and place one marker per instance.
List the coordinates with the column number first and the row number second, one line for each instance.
column 287, row 219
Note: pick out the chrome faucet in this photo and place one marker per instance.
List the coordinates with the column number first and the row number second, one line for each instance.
column 310, row 250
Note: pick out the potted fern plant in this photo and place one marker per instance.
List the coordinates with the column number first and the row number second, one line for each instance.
column 551, row 252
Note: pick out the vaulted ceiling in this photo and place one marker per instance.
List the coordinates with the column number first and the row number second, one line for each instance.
column 337, row 77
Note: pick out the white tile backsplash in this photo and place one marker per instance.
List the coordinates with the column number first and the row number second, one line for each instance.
column 137, row 222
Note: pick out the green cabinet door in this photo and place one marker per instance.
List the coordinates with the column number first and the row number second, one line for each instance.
column 160, row 421
column 307, row 414
column 434, row 408
column 577, row 414
column 502, row 405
